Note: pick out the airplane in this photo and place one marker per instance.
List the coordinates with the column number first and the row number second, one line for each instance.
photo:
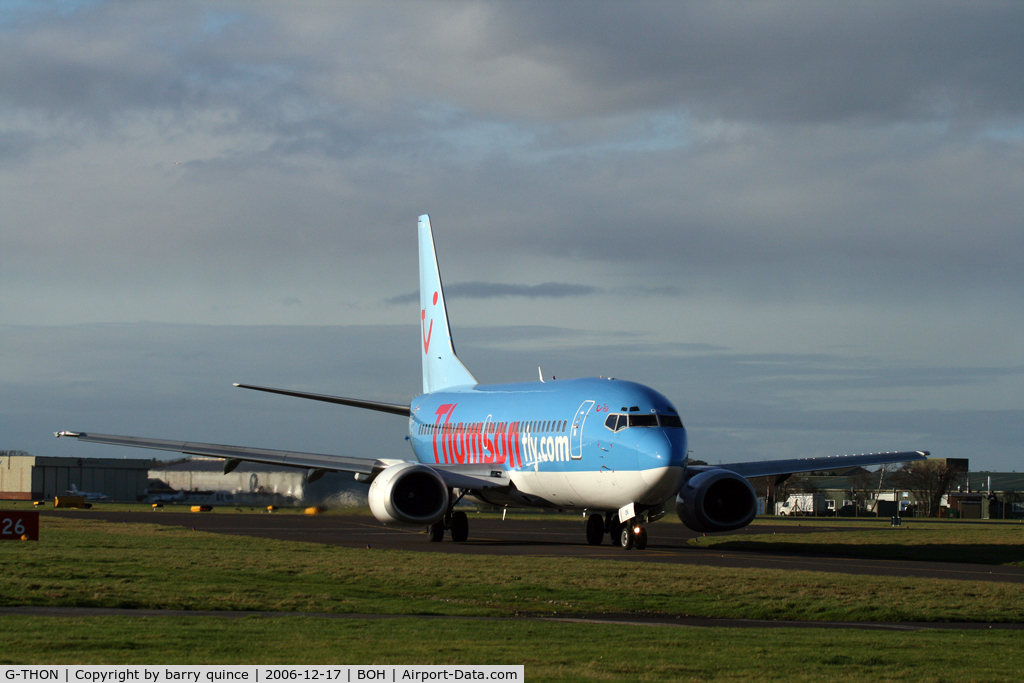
column 178, row 497
column 612, row 449
column 86, row 494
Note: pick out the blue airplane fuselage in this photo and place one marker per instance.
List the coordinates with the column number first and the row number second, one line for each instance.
column 579, row 443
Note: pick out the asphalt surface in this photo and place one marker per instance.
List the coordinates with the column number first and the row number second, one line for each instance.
column 556, row 537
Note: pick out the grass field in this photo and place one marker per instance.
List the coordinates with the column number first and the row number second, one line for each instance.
column 85, row 562
column 918, row 539
column 549, row 651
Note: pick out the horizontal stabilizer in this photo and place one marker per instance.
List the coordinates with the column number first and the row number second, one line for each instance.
column 394, row 408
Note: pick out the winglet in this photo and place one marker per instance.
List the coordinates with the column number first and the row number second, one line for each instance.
column 441, row 367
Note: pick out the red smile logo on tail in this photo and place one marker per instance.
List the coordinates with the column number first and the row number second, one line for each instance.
column 427, row 332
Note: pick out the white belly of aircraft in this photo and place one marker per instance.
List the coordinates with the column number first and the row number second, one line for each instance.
column 605, row 490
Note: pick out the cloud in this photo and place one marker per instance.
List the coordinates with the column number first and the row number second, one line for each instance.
column 737, row 181
column 174, row 381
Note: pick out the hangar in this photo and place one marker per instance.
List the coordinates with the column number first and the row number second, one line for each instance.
column 250, row 483
column 31, row 477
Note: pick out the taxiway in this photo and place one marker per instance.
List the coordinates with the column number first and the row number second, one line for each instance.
column 557, row 537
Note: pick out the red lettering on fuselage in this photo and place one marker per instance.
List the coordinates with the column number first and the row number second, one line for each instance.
column 446, row 411
column 474, row 442
column 512, row 445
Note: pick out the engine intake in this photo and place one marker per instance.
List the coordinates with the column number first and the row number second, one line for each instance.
column 408, row 493
column 716, row 500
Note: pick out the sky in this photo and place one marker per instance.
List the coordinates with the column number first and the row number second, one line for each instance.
column 803, row 222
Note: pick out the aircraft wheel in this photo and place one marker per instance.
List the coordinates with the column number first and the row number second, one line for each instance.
column 435, row 532
column 595, row 529
column 641, row 539
column 460, row 527
column 626, row 537
column 614, row 528
column 615, row 532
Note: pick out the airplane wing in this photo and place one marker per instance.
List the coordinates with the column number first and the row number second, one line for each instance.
column 456, row 476
column 769, row 468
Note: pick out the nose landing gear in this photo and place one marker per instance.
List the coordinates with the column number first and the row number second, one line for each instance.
column 626, row 536
column 633, row 536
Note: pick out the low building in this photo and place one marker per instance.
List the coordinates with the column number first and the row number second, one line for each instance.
column 31, row 477
column 989, row 495
column 971, row 495
column 252, row 483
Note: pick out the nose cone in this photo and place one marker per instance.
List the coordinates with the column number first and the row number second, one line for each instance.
column 660, row 461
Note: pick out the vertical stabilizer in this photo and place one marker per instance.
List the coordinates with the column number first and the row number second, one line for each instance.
column 441, row 367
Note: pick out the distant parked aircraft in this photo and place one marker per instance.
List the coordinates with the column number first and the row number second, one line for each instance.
column 607, row 447
column 167, row 497
column 88, row 495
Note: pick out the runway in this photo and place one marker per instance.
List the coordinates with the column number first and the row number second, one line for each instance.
column 556, row 537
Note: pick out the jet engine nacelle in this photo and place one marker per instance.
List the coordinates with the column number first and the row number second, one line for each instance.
column 408, row 493
column 716, row 500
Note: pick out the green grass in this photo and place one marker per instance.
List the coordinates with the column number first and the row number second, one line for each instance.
column 87, row 562
column 549, row 651
column 933, row 540
column 91, row 563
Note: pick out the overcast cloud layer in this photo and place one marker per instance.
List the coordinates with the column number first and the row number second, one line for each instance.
column 801, row 221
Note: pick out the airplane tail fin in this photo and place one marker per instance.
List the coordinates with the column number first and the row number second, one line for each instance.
column 441, row 367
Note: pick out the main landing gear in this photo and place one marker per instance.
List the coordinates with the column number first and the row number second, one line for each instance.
column 627, row 536
column 457, row 522
column 595, row 529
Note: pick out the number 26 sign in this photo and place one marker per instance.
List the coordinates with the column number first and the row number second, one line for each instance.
column 19, row 526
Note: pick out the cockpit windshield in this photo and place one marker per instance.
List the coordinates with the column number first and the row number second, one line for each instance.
column 638, row 420
column 672, row 421
column 619, row 421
